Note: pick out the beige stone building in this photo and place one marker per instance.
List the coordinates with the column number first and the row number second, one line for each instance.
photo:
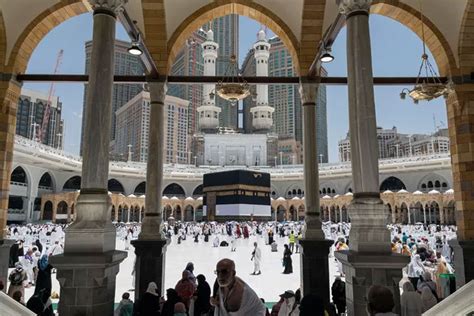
column 133, row 120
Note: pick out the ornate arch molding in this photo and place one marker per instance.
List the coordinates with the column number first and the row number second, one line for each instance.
column 3, row 43
column 466, row 42
column 435, row 40
column 37, row 30
column 221, row 8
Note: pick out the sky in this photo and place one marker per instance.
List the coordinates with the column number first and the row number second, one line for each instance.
column 396, row 51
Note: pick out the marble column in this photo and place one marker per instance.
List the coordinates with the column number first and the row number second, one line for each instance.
column 369, row 260
column 88, row 267
column 9, row 94
column 150, row 247
column 315, row 248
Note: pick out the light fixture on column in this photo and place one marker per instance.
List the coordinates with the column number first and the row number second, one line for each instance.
column 135, row 49
column 326, row 57
column 428, row 86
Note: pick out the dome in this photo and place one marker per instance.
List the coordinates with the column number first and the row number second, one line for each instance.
column 132, row 196
column 199, row 198
column 387, row 192
column 109, row 193
column 210, row 35
column 349, row 194
column 142, row 196
column 174, row 198
column 165, row 198
column 281, row 198
column 417, row 192
column 433, row 192
column 261, row 35
column 326, row 197
column 189, row 199
column 295, row 198
column 336, row 196
column 403, row 191
column 450, row 191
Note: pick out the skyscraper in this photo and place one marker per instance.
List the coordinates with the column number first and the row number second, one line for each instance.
column 189, row 62
column 226, row 34
column 285, row 99
column 133, row 121
column 30, row 114
column 321, row 122
column 125, row 64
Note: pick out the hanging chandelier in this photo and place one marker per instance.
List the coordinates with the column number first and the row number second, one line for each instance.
column 428, row 86
column 232, row 87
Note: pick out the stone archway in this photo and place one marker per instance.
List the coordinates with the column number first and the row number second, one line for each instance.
column 217, row 9
column 47, row 211
column 281, row 211
column 61, row 212
column 189, row 213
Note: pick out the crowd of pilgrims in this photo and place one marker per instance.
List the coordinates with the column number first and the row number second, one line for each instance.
column 428, row 276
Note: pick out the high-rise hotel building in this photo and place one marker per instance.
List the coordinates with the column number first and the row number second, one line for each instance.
column 133, row 122
column 30, row 115
column 125, row 64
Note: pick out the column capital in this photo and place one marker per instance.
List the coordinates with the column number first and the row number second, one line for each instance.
column 349, row 6
column 157, row 91
column 111, row 5
column 308, row 92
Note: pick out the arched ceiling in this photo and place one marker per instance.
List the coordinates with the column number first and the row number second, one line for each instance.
column 18, row 15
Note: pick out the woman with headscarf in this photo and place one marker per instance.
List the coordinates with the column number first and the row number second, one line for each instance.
column 39, row 245
column 410, row 301
column 149, row 303
column 415, row 270
column 190, row 268
column 427, row 298
column 185, row 288
column 171, row 299
column 202, row 296
column 426, row 281
column 287, row 262
column 43, row 280
column 17, row 277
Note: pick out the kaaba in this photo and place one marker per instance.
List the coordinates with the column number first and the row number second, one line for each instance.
column 236, row 195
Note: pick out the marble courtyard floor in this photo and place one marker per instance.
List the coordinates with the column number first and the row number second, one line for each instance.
column 268, row 285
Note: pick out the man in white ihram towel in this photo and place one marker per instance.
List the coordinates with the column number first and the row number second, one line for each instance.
column 234, row 297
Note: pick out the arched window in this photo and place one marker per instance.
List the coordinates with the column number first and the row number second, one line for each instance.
column 19, row 176
column 140, row 189
column 392, row 184
column 46, row 182
column 72, row 184
column 115, row 186
column 173, row 189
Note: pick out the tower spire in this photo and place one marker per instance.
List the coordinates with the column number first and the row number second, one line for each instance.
column 262, row 113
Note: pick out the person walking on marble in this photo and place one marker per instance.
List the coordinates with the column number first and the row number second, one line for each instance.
column 257, row 259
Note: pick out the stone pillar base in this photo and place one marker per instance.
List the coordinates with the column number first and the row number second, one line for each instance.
column 315, row 267
column 363, row 270
column 87, row 282
column 5, row 245
column 149, row 265
column 463, row 261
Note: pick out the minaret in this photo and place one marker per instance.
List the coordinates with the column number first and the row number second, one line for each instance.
column 208, row 113
column 262, row 113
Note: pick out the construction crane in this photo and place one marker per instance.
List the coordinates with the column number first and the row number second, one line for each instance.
column 42, row 133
